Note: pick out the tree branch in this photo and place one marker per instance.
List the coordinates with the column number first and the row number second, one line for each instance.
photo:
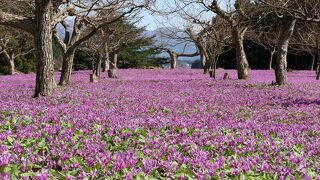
column 25, row 23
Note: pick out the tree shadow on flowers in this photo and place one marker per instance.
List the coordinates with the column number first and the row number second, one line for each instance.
column 306, row 102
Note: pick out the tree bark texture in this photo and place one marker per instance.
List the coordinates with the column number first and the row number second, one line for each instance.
column 272, row 52
column 106, row 59
column 207, row 65
column 45, row 82
column 286, row 31
column 318, row 72
column 24, row 23
column 10, row 61
column 311, row 67
column 318, row 66
column 69, row 51
column 242, row 63
column 112, row 72
column 98, row 65
column 203, row 56
column 213, row 72
column 67, row 64
column 173, row 57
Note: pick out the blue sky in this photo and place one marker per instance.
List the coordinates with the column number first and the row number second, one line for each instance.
column 150, row 21
column 154, row 21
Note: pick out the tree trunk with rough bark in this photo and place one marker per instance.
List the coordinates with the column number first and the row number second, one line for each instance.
column 98, row 65
column 318, row 65
column 93, row 78
column 214, row 68
column 112, row 72
column 286, row 31
column 173, row 62
column 69, row 50
column 106, row 59
column 12, row 67
column 67, row 67
column 318, row 72
column 10, row 61
column 45, row 82
column 202, row 59
column 202, row 55
column 311, row 67
column 272, row 52
column 203, row 63
column 242, row 63
column 207, row 65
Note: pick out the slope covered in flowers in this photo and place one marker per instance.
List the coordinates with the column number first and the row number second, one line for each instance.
column 162, row 124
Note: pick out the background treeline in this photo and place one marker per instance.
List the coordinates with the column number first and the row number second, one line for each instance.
column 249, row 34
column 133, row 57
column 102, row 35
column 139, row 53
column 258, row 58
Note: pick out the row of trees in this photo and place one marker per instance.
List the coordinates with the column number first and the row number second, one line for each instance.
column 104, row 27
column 279, row 26
column 40, row 18
column 125, row 41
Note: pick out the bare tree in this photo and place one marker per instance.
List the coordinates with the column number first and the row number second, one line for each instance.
column 47, row 14
column 200, row 42
column 174, row 56
column 39, row 24
column 171, row 39
column 289, row 13
column 306, row 39
column 211, row 42
column 236, row 13
column 237, row 19
column 85, row 26
column 13, row 44
column 218, row 42
column 265, row 33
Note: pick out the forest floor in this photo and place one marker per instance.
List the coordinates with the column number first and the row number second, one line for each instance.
column 162, row 124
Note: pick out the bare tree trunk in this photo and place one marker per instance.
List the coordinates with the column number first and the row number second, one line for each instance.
column 10, row 62
column 93, row 78
column 107, row 62
column 67, row 67
column 212, row 71
column 311, row 67
column 318, row 72
column 173, row 61
column 207, row 66
column 203, row 63
column 12, row 67
column 242, row 63
column 202, row 56
column 202, row 59
column 215, row 67
column 286, row 31
column 112, row 72
column 98, row 65
column 45, row 82
column 318, row 66
column 106, row 59
column 272, row 52
column 69, row 52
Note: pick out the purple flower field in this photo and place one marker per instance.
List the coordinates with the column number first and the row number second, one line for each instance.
column 162, row 124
